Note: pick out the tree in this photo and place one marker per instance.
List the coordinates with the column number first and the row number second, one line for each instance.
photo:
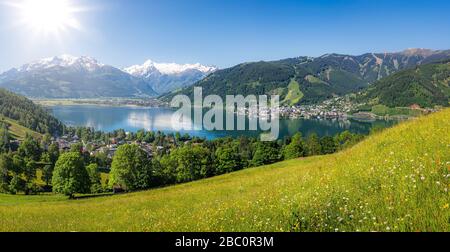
column 245, row 150
column 265, row 153
column 165, row 170
column 47, row 174
column 328, row 145
column 6, row 164
column 296, row 148
column 46, row 141
column 16, row 185
column 121, row 134
column 77, row 147
column 18, row 164
column 346, row 139
column 70, row 175
column 29, row 149
column 131, row 169
column 313, row 145
column 177, row 136
column 53, row 151
column 140, row 134
column 95, row 178
column 4, row 138
column 149, row 137
column 30, row 176
column 191, row 162
column 228, row 159
column 47, row 170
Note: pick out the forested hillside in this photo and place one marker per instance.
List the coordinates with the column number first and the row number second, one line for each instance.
column 28, row 114
column 426, row 85
column 318, row 78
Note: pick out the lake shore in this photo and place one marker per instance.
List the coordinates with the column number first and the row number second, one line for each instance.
column 105, row 102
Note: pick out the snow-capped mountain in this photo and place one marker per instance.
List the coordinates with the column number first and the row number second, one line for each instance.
column 167, row 77
column 82, row 63
column 67, row 76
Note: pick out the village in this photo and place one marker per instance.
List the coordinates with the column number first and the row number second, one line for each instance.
column 107, row 149
column 335, row 108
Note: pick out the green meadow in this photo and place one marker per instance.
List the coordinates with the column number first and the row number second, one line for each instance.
column 395, row 180
column 18, row 131
column 294, row 94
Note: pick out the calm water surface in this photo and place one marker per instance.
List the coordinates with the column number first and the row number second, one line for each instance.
column 134, row 118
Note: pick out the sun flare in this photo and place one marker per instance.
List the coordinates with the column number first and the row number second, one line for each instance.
column 47, row 16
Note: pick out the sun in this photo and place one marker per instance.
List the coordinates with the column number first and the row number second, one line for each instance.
column 47, row 16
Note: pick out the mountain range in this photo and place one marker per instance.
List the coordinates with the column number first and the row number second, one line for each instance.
column 167, row 77
column 425, row 85
column 305, row 80
column 300, row 80
column 67, row 76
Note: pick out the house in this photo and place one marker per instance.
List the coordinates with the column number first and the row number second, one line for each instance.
column 415, row 107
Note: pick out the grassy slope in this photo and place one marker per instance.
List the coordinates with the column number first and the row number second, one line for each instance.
column 17, row 131
column 294, row 94
column 397, row 180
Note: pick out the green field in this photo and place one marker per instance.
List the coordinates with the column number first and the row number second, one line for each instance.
column 294, row 94
column 17, row 131
column 396, row 180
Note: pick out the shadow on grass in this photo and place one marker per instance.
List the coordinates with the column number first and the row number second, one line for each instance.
column 90, row 196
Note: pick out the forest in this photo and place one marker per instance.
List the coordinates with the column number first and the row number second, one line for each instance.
column 171, row 159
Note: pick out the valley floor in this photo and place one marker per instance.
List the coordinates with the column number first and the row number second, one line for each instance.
column 397, row 180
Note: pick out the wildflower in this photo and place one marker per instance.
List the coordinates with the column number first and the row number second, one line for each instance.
column 445, row 206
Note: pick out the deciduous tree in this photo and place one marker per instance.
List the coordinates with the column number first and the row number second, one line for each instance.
column 70, row 175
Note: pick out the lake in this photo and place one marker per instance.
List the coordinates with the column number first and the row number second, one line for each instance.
column 159, row 119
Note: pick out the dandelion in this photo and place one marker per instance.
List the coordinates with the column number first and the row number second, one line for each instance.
column 445, row 206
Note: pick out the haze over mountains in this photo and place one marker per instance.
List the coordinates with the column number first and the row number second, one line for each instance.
column 300, row 80
column 67, row 76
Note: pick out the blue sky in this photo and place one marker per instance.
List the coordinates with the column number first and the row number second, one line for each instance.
column 228, row 32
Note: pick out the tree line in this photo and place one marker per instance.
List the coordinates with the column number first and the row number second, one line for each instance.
column 175, row 159
column 28, row 114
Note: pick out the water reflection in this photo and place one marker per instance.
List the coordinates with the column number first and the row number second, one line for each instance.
column 134, row 118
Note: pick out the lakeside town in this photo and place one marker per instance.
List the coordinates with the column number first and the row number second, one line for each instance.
column 343, row 108
column 337, row 108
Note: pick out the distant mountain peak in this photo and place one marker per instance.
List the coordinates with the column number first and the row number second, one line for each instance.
column 68, row 76
column 166, row 77
column 166, row 68
column 418, row 51
column 65, row 60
